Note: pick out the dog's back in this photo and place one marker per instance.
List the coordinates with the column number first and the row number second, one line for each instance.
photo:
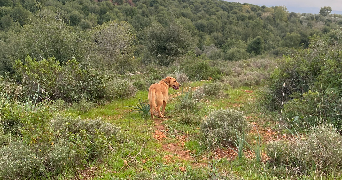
column 158, row 95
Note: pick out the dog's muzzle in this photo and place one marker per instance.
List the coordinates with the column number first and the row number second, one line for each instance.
column 175, row 87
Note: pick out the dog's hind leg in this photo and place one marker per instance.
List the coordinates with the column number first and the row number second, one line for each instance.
column 163, row 108
column 151, row 111
column 159, row 104
column 152, row 102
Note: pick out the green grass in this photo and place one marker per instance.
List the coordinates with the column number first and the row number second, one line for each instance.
column 141, row 156
column 120, row 107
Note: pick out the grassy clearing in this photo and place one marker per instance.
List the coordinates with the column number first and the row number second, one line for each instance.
column 141, row 156
column 172, row 149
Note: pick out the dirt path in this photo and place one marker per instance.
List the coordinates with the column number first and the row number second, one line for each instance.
column 176, row 150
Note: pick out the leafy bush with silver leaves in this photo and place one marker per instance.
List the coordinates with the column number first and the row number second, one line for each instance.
column 37, row 145
column 223, row 127
column 320, row 151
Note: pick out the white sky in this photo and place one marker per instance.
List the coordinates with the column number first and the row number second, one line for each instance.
column 302, row 6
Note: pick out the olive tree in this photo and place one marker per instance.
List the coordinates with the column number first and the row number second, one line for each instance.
column 113, row 46
column 166, row 43
column 45, row 37
column 326, row 10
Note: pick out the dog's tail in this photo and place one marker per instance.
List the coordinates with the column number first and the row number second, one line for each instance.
column 152, row 100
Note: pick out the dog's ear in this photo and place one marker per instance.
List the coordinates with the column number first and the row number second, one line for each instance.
column 168, row 80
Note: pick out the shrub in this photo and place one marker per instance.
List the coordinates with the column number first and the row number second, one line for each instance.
column 209, row 90
column 187, row 109
column 19, row 161
column 119, row 89
column 235, row 54
column 223, row 127
column 249, row 72
column 212, row 52
column 47, row 79
column 60, row 157
column 256, row 46
column 213, row 89
column 180, row 76
column 23, row 119
column 313, row 109
column 42, row 38
column 83, row 105
column 37, row 147
column 140, row 84
column 10, row 89
column 319, row 152
column 165, row 43
column 187, row 103
column 316, row 68
column 201, row 70
column 112, row 47
column 10, row 118
column 89, row 138
column 189, row 118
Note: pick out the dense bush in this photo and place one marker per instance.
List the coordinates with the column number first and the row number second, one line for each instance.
column 165, row 43
column 223, row 127
column 19, row 161
column 119, row 88
column 313, row 109
column 42, row 38
column 251, row 72
column 10, row 89
column 256, row 46
column 220, row 24
column 307, row 84
column 320, row 151
column 113, row 47
column 180, row 77
column 212, row 90
column 187, row 108
column 90, row 139
column 47, row 79
column 315, row 68
column 187, row 102
column 235, row 54
column 36, row 145
column 200, row 70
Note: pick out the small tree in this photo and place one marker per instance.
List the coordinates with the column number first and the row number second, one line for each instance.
column 165, row 43
column 325, row 11
column 256, row 46
column 113, row 46
column 292, row 40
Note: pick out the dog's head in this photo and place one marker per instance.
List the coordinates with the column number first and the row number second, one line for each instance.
column 172, row 82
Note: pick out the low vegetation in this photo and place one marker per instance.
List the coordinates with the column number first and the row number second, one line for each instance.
column 260, row 97
column 221, row 128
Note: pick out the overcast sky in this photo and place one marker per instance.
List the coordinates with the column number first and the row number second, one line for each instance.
column 298, row 6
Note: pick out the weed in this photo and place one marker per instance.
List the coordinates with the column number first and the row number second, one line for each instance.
column 143, row 108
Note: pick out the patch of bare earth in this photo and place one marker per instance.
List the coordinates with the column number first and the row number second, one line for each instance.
column 176, row 150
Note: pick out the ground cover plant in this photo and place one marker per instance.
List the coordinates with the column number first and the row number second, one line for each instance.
column 117, row 140
column 37, row 144
column 260, row 95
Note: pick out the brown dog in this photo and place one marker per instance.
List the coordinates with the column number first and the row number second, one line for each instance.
column 158, row 94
